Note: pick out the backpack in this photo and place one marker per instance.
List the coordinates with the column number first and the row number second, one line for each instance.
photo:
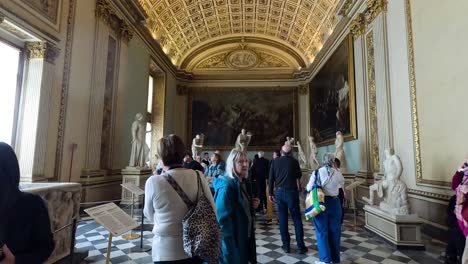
column 201, row 231
column 315, row 199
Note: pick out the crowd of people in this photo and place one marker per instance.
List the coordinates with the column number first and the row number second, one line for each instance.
column 239, row 189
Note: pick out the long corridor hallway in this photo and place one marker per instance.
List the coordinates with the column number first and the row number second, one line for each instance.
column 357, row 246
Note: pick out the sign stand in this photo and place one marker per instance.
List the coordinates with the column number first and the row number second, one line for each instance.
column 352, row 187
column 141, row 248
column 131, row 236
column 114, row 220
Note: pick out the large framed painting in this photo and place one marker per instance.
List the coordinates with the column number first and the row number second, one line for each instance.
column 332, row 97
column 269, row 114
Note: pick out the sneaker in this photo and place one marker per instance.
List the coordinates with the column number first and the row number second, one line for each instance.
column 286, row 249
column 302, row 250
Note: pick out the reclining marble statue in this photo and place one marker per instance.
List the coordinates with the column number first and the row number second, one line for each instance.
column 392, row 189
column 243, row 140
column 140, row 151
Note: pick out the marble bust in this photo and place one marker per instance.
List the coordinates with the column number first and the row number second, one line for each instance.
column 140, row 152
column 392, row 189
column 243, row 140
column 313, row 162
column 301, row 155
column 339, row 152
column 197, row 145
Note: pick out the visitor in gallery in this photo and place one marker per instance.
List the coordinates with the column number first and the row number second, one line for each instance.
column 164, row 206
column 189, row 163
column 222, row 163
column 235, row 210
column 213, row 170
column 456, row 239
column 260, row 169
column 283, row 181
column 25, row 235
column 328, row 223
column 460, row 186
column 199, row 160
column 206, row 159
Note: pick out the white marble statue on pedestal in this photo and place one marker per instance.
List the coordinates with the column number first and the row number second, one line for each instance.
column 139, row 155
column 243, row 140
column 391, row 188
column 313, row 162
column 339, row 152
column 301, row 156
column 197, row 145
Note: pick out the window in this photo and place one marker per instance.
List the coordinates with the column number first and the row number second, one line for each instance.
column 9, row 92
column 149, row 109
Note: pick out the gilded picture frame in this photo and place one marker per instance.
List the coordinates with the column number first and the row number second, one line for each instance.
column 332, row 102
column 269, row 114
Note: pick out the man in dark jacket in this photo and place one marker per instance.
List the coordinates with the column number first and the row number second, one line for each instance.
column 284, row 176
column 259, row 171
column 189, row 163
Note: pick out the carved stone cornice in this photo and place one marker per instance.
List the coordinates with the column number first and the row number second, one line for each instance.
column 107, row 14
column 430, row 194
column 358, row 26
column 42, row 50
column 374, row 8
column 2, row 17
column 346, row 7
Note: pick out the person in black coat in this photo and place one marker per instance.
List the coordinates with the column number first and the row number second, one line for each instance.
column 260, row 170
column 25, row 234
column 189, row 163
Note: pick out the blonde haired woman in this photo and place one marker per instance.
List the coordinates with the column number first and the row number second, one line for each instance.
column 235, row 210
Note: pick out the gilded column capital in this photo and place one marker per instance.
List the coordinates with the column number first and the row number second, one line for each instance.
column 125, row 32
column 42, row 50
column 107, row 14
column 303, row 89
column 358, row 26
column 182, row 90
column 374, row 8
column 103, row 10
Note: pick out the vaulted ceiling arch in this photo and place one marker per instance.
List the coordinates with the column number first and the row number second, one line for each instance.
column 182, row 26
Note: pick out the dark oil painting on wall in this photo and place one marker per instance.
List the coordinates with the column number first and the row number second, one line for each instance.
column 269, row 114
column 332, row 99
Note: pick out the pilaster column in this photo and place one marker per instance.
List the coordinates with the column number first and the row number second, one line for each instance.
column 35, row 102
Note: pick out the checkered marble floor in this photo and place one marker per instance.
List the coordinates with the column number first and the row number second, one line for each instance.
column 358, row 246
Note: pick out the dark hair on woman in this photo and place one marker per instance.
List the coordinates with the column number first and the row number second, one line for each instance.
column 171, row 150
column 9, row 177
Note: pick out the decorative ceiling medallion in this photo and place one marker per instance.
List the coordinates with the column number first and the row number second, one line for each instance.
column 242, row 59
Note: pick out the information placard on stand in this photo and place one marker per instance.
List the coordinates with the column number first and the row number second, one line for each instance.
column 352, row 189
column 135, row 190
column 113, row 219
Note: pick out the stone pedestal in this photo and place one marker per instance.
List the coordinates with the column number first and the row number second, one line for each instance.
column 404, row 231
column 63, row 204
column 137, row 176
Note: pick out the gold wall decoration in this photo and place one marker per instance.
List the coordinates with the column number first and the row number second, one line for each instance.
column 107, row 14
column 374, row 135
column 48, row 9
column 414, row 105
column 303, row 89
column 42, row 50
column 374, row 8
column 215, row 62
column 182, row 26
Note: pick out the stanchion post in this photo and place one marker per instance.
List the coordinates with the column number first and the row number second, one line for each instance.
column 72, row 243
column 109, row 246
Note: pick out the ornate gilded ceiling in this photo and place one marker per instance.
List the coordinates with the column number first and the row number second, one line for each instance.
column 182, row 27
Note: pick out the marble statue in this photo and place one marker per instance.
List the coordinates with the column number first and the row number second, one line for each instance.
column 339, row 152
column 197, row 145
column 289, row 141
column 140, row 151
column 313, row 162
column 301, row 155
column 243, row 140
column 391, row 188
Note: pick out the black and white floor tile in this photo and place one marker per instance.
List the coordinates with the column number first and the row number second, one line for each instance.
column 358, row 246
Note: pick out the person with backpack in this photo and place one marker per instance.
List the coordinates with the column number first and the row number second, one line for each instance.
column 167, row 199
column 328, row 223
column 236, row 211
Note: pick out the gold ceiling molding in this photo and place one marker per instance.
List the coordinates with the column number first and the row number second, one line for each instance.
column 107, row 14
column 181, row 26
column 364, row 19
column 346, row 7
column 42, row 50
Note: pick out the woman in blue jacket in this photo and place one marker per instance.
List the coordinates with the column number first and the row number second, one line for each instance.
column 235, row 210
